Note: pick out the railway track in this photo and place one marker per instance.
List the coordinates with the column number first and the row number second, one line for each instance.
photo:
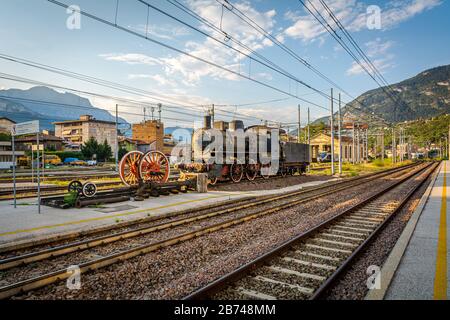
column 52, row 177
column 306, row 266
column 48, row 191
column 178, row 230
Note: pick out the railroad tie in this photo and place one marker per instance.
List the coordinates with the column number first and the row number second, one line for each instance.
column 296, row 273
column 310, row 264
column 304, row 290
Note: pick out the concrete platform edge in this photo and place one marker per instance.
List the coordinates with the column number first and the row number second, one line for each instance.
column 67, row 235
column 393, row 261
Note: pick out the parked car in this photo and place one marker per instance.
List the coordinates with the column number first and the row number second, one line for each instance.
column 92, row 163
column 70, row 160
column 52, row 160
column 324, row 157
column 78, row 163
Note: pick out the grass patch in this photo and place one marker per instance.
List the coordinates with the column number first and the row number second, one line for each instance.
column 353, row 170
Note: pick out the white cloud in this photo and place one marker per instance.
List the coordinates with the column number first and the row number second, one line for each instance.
column 168, row 32
column 381, row 64
column 191, row 70
column 352, row 14
column 378, row 52
column 159, row 79
column 377, row 47
column 132, row 58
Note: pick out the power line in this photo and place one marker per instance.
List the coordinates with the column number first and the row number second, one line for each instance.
column 245, row 18
column 105, row 83
column 101, row 20
column 335, row 35
column 358, row 49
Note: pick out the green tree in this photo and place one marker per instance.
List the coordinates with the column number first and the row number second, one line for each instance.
column 122, row 152
column 5, row 137
column 104, row 152
column 90, row 148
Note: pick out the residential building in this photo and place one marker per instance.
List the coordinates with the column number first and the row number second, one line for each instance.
column 51, row 143
column 6, row 155
column 6, row 125
column 77, row 132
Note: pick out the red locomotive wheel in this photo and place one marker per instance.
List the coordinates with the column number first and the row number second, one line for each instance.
column 154, row 166
column 251, row 172
column 129, row 168
column 237, row 172
column 213, row 181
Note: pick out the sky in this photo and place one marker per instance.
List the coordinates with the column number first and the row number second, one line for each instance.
column 413, row 35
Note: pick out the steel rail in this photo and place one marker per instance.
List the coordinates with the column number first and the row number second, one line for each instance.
column 20, row 260
column 55, row 188
column 222, row 282
column 74, row 235
column 46, row 279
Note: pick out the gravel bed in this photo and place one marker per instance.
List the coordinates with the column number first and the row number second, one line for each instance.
column 270, row 184
column 118, row 229
column 351, row 285
column 176, row 271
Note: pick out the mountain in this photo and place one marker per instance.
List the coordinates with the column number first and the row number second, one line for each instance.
column 423, row 96
column 48, row 106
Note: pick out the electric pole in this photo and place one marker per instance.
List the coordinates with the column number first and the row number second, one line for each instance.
column 116, row 153
column 354, row 144
column 159, row 112
column 340, row 135
column 332, row 133
column 299, row 125
column 309, row 138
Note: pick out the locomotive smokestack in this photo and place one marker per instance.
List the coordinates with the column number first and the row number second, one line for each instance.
column 207, row 122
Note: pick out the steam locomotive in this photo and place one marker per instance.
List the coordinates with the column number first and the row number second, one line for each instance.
column 246, row 162
column 264, row 151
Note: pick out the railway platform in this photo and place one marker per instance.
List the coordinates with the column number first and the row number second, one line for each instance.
column 24, row 224
column 417, row 268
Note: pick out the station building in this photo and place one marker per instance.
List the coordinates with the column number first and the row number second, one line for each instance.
column 322, row 143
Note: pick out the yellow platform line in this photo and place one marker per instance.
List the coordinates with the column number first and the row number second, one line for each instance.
column 440, row 280
column 114, row 215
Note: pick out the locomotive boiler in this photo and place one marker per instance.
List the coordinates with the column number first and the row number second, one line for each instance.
column 248, row 157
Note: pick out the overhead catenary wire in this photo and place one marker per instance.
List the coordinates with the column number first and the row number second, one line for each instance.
column 129, row 103
column 112, row 85
column 319, row 17
column 358, row 48
column 246, row 19
column 165, row 45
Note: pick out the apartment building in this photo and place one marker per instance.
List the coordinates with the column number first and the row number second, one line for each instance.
column 77, row 132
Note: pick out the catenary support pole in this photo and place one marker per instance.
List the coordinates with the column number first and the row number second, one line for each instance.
column 309, row 137
column 38, row 173
column 14, row 170
column 116, row 153
column 354, row 144
column 340, row 135
column 332, row 133
column 299, row 125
